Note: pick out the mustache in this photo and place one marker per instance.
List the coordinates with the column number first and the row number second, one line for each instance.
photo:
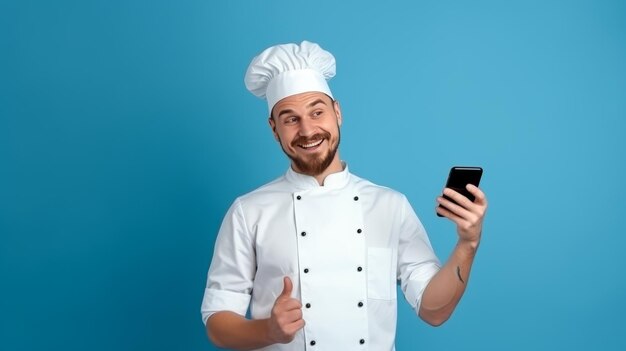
column 302, row 140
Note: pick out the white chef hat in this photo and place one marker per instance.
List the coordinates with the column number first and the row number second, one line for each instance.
column 288, row 69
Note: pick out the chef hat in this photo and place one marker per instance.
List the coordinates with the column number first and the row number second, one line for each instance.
column 289, row 69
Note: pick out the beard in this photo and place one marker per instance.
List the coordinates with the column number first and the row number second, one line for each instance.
column 315, row 164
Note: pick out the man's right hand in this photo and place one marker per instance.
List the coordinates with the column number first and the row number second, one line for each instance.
column 230, row 330
column 286, row 318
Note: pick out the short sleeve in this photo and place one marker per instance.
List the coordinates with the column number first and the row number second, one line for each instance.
column 231, row 275
column 417, row 262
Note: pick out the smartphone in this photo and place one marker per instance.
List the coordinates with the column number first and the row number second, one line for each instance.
column 459, row 177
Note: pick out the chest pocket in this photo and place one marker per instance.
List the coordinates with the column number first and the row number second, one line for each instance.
column 380, row 274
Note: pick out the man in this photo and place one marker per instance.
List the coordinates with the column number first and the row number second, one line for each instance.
column 316, row 254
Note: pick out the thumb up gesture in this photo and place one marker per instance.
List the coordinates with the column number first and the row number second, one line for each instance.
column 286, row 318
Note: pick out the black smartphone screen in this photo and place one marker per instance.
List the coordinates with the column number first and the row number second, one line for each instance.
column 461, row 176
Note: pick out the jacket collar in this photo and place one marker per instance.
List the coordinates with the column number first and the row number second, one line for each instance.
column 305, row 182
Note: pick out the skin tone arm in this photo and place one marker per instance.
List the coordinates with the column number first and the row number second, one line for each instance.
column 446, row 288
column 232, row 331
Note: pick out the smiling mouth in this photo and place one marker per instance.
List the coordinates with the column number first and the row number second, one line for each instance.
column 311, row 145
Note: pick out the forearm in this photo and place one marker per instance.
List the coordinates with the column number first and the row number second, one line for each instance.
column 446, row 288
column 232, row 331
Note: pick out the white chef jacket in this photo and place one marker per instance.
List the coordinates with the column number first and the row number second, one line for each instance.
column 345, row 246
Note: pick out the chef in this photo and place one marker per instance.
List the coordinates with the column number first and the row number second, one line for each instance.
column 311, row 260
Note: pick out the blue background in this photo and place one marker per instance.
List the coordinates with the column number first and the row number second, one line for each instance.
column 126, row 132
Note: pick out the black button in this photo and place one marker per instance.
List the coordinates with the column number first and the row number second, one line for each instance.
column 303, row 233
column 360, row 304
column 299, row 197
column 306, row 270
column 362, row 341
column 359, row 231
column 359, row 268
column 312, row 342
column 356, row 198
column 308, row 305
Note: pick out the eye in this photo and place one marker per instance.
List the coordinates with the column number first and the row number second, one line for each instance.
column 290, row 120
column 317, row 113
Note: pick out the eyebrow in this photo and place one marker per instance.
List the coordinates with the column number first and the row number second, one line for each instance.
column 315, row 102
column 318, row 101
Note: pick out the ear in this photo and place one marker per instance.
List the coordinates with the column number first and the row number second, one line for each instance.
column 338, row 112
column 273, row 127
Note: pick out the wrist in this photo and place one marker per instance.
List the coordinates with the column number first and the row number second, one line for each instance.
column 267, row 331
column 470, row 246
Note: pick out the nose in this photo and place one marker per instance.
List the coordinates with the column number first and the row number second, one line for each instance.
column 307, row 128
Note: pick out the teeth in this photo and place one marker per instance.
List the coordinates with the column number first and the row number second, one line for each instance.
column 315, row 143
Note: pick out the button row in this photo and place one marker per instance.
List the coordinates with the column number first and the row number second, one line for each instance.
column 312, row 343
column 359, row 231
column 360, row 304
column 358, row 269
column 356, row 198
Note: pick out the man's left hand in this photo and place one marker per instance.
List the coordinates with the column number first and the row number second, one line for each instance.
column 467, row 215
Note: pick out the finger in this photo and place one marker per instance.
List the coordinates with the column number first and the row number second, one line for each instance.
column 287, row 318
column 463, row 214
column 450, row 215
column 459, row 198
column 290, row 304
column 292, row 328
column 287, row 287
column 453, row 207
column 458, row 221
column 478, row 194
column 293, row 315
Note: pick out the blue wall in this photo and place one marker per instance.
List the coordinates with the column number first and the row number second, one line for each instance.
column 126, row 132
